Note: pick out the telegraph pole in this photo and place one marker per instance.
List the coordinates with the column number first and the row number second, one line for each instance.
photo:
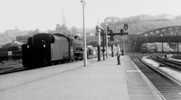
column 84, row 33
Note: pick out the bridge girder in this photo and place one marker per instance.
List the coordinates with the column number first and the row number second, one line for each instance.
column 152, row 39
column 170, row 30
column 164, row 34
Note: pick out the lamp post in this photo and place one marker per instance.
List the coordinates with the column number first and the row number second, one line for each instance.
column 146, row 36
column 162, row 41
column 177, row 44
column 84, row 33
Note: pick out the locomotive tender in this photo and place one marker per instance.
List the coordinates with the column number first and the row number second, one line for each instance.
column 45, row 49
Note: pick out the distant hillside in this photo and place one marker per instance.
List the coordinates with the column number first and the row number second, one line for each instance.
column 142, row 23
column 137, row 25
column 10, row 35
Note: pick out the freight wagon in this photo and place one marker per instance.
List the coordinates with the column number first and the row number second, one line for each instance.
column 12, row 52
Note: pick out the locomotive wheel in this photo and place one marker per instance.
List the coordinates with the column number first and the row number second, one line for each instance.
column 45, row 62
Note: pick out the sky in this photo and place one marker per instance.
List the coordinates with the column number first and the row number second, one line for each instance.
column 45, row 14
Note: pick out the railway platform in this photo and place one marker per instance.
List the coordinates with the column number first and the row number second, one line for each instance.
column 103, row 80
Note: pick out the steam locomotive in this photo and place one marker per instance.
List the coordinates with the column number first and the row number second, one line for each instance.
column 46, row 49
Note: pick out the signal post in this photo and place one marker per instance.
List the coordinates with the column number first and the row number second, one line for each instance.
column 121, row 33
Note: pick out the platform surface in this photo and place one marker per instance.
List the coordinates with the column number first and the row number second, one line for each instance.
column 103, row 80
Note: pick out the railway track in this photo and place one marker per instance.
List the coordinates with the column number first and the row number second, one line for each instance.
column 168, row 63
column 12, row 68
column 168, row 88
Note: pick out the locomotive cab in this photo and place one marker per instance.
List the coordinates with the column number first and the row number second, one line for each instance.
column 45, row 49
column 37, row 51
